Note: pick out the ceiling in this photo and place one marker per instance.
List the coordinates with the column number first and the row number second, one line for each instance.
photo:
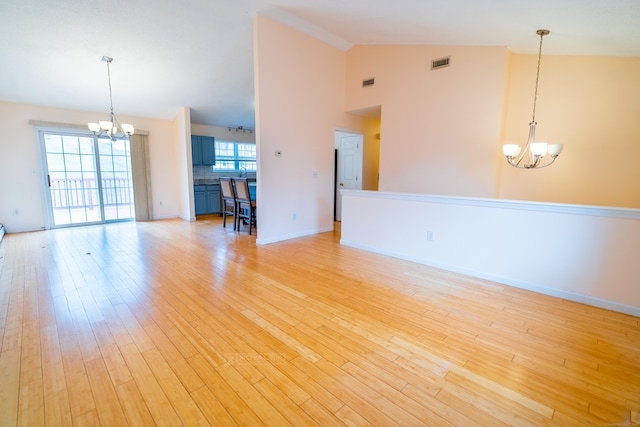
column 198, row 53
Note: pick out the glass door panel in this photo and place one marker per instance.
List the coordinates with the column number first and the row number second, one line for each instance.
column 72, row 179
column 117, row 182
column 89, row 180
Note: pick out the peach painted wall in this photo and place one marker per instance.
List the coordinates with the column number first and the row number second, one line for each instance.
column 184, row 171
column 371, row 153
column 22, row 175
column 439, row 129
column 300, row 86
column 590, row 104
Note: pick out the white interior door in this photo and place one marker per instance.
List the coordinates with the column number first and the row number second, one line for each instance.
column 349, row 176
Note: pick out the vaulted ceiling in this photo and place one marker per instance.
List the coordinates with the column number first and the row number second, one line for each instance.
column 198, row 53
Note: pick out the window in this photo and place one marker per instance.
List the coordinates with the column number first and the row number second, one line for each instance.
column 235, row 156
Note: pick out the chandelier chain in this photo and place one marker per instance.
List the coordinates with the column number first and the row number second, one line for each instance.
column 535, row 95
column 110, row 93
column 111, row 128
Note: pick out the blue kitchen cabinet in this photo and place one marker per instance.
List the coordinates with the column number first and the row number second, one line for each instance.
column 213, row 199
column 206, row 199
column 203, row 150
column 208, row 150
column 200, row 199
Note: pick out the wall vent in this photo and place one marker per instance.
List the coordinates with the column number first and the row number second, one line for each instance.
column 368, row 82
column 440, row 63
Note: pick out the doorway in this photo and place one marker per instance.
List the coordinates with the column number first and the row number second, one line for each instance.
column 88, row 179
column 349, row 149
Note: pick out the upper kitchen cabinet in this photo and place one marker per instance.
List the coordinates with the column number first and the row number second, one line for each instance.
column 203, row 150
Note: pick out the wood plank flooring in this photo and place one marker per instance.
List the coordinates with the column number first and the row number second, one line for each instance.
column 182, row 324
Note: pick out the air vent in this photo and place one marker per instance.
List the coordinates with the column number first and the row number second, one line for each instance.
column 368, row 82
column 440, row 63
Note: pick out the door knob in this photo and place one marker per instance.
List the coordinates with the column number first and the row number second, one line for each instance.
column 341, row 185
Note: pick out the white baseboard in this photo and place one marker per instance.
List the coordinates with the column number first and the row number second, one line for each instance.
column 305, row 233
column 558, row 293
column 161, row 217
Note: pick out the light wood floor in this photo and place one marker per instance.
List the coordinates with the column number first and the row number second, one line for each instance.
column 177, row 323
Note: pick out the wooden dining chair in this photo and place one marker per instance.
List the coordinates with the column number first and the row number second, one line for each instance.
column 246, row 207
column 229, row 201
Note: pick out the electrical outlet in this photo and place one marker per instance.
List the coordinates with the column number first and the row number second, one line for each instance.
column 294, row 216
column 16, row 212
column 430, row 236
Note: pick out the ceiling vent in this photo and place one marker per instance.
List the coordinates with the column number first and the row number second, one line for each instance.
column 440, row 63
column 368, row 82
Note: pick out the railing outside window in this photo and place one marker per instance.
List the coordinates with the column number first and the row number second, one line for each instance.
column 78, row 192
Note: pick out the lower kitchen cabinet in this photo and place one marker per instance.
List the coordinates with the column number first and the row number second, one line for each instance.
column 207, row 199
column 200, row 200
column 213, row 199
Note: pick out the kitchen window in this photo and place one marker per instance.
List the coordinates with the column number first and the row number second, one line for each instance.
column 235, row 156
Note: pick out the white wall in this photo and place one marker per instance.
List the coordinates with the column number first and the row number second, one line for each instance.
column 441, row 129
column 299, row 85
column 224, row 133
column 22, row 177
column 182, row 130
column 582, row 253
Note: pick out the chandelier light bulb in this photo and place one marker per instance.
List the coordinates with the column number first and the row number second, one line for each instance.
column 510, row 149
column 128, row 129
column 539, row 148
column 554, row 149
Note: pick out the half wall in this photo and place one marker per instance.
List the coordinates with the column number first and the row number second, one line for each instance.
column 581, row 253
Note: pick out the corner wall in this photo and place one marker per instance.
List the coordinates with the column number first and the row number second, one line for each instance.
column 184, row 171
column 440, row 129
column 299, row 86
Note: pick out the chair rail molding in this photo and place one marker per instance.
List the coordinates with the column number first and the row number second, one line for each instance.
column 577, row 252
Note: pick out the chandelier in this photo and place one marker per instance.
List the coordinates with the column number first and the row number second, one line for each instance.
column 111, row 128
column 534, row 153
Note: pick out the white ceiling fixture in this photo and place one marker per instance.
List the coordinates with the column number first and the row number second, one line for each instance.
column 111, row 128
column 533, row 155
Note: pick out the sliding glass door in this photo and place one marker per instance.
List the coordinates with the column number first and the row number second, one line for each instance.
column 88, row 179
column 116, row 182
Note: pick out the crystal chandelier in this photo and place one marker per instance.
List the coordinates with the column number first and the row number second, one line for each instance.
column 111, row 128
column 533, row 155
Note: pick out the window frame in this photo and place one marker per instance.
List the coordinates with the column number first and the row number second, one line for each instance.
column 239, row 162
